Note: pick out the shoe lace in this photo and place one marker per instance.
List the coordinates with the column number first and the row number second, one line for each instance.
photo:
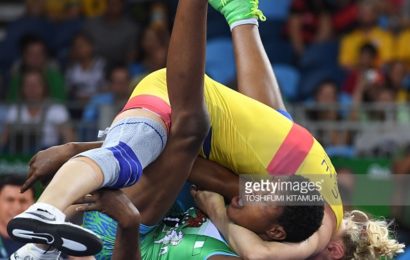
column 256, row 11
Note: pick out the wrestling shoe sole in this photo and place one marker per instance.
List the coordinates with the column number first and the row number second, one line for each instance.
column 70, row 239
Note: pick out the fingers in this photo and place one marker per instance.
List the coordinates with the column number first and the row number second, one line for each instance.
column 90, row 198
column 89, row 207
column 194, row 191
column 28, row 183
column 89, row 202
column 32, row 160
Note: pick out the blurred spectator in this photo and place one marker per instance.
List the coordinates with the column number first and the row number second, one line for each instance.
column 12, row 203
column 385, row 96
column 309, row 22
column 159, row 15
column 390, row 14
column 32, row 22
column 396, row 80
column 403, row 46
column 387, row 138
column 117, row 95
column 344, row 15
column 396, row 14
column 406, row 13
column 326, row 110
column 92, row 8
column 37, row 122
column 114, row 34
column 368, row 31
column 153, row 51
column 381, row 97
column 365, row 74
column 66, row 26
column 85, row 75
column 35, row 56
column 346, row 182
column 55, row 10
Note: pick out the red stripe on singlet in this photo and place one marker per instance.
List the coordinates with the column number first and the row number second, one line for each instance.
column 152, row 103
column 292, row 152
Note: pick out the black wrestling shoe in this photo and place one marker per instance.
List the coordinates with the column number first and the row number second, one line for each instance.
column 41, row 227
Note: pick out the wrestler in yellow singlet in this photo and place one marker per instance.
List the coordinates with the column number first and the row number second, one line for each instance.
column 247, row 136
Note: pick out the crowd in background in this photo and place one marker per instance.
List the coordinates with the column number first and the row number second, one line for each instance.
column 64, row 60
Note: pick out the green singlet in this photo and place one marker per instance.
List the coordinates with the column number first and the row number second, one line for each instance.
column 190, row 235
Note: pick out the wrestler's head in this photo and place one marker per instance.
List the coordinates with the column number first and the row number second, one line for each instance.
column 277, row 222
column 361, row 238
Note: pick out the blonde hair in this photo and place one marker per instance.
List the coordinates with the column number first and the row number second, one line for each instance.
column 366, row 238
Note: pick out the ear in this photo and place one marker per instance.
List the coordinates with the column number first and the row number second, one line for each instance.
column 336, row 249
column 276, row 233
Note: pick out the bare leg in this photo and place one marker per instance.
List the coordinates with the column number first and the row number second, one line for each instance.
column 255, row 75
column 75, row 179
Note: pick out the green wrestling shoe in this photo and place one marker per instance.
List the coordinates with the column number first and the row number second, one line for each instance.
column 237, row 10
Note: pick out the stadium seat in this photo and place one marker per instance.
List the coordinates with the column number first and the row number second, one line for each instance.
column 288, row 78
column 220, row 61
column 321, row 55
column 279, row 10
column 280, row 52
column 311, row 78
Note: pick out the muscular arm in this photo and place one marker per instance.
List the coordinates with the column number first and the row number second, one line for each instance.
column 127, row 244
column 118, row 206
column 255, row 75
column 186, row 59
column 208, row 175
column 159, row 185
column 250, row 246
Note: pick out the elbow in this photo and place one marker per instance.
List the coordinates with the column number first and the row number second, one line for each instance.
column 191, row 126
column 256, row 254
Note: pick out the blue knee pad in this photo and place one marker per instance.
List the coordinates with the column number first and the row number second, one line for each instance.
column 130, row 167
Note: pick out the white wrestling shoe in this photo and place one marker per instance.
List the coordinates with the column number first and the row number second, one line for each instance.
column 32, row 252
column 44, row 224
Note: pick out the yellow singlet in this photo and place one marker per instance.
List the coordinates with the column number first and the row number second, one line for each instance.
column 247, row 136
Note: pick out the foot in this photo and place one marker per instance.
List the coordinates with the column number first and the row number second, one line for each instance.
column 37, row 225
column 237, row 10
column 32, row 252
